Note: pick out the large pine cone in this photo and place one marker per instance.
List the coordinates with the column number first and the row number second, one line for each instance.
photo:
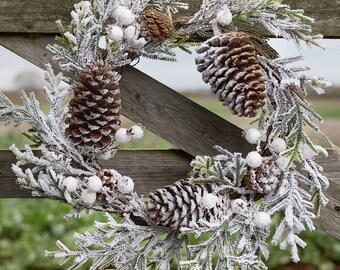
column 181, row 205
column 156, row 25
column 231, row 67
column 94, row 108
column 262, row 180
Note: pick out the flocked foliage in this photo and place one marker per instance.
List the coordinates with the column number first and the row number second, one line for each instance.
column 110, row 32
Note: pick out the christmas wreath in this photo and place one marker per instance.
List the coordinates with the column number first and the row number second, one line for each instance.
column 227, row 201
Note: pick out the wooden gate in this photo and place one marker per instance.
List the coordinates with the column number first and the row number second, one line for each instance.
column 28, row 26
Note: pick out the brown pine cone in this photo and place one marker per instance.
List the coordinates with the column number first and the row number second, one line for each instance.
column 95, row 108
column 231, row 67
column 156, row 25
column 262, row 180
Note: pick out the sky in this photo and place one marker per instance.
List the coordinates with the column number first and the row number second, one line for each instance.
column 183, row 75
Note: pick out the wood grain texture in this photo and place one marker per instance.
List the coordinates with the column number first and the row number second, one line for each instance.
column 39, row 16
column 163, row 111
column 152, row 169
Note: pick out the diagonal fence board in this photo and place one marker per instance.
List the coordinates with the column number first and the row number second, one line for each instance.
column 162, row 110
column 152, row 169
column 37, row 16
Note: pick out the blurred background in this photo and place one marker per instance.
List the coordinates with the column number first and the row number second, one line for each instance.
column 30, row 226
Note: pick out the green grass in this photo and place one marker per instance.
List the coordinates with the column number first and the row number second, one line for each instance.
column 30, row 226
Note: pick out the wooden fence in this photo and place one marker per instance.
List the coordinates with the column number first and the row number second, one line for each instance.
column 27, row 26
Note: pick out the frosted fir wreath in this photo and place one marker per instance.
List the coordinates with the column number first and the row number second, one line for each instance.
column 229, row 199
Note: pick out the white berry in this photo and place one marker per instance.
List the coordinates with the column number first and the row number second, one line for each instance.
column 262, row 219
column 130, row 32
column 224, row 16
column 253, row 135
column 282, row 163
column 254, row 159
column 278, row 145
column 123, row 15
column 88, row 196
column 306, row 152
column 94, row 183
column 209, row 200
column 238, row 206
column 137, row 132
column 122, row 136
column 115, row 33
column 125, row 185
column 70, row 184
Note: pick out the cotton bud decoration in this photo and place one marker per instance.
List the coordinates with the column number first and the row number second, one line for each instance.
column 209, row 201
column 125, row 185
column 70, row 183
column 262, row 220
column 238, row 206
column 253, row 135
column 115, row 33
column 94, row 183
column 306, row 152
column 122, row 136
column 123, row 15
column 136, row 132
column 224, row 16
column 282, row 163
column 254, row 159
column 278, row 145
column 88, row 196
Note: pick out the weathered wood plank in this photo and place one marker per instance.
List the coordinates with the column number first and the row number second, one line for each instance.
column 39, row 16
column 152, row 169
column 163, row 111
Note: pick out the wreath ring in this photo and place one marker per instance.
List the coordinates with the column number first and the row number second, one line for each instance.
column 230, row 197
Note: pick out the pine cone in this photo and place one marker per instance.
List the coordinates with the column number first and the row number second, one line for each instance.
column 156, row 25
column 263, row 179
column 231, row 67
column 181, row 205
column 94, row 108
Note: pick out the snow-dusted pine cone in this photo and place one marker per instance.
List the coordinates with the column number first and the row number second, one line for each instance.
column 231, row 67
column 263, row 179
column 184, row 204
column 94, row 108
column 156, row 25
column 115, row 185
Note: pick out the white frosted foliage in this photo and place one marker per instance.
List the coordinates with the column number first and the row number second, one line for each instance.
column 253, row 135
column 262, row 219
column 224, row 16
column 125, row 185
column 137, row 132
column 70, row 183
column 306, row 152
column 115, row 33
column 278, row 145
column 88, row 196
column 238, row 206
column 107, row 155
column 94, row 183
column 254, row 159
column 209, row 200
column 282, row 163
column 122, row 135
column 123, row 15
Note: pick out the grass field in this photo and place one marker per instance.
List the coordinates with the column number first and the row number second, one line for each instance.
column 28, row 227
